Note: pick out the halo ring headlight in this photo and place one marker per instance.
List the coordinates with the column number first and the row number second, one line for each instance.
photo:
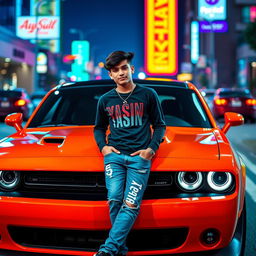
column 9, row 180
column 190, row 180
column 219, row 181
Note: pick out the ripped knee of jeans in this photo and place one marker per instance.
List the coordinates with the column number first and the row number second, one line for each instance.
column 130, row 205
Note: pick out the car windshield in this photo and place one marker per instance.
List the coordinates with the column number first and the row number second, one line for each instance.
column 10, row 94
column 77, row 106
column 235, row 94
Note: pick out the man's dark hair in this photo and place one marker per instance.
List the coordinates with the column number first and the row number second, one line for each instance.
column 116, row 57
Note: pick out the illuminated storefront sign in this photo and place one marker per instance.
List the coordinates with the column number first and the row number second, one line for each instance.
column 41, row 63
column 194, row 42
column 242, row 73
column 42, row 8
column 185, row 77
column 41, row 58
column 219, row 26
column 46, row 8
column 202, row 61
column 43, row 27
column 161, row 37
column 81, row 49
column 253, row 13
column 212, row 9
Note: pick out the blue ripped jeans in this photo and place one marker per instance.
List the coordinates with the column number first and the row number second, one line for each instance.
column 126, row 180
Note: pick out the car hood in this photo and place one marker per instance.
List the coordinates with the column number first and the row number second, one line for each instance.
column 192, row 143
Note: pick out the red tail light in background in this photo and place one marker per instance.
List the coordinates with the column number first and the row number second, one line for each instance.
column 251, row 102
column 220, row 102
column 20, row 103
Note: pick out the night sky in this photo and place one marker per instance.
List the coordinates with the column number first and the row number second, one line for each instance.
column 110, row 24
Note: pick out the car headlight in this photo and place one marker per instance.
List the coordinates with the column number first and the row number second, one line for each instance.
column 9, row 180
column 219, row 181
column 190, row 180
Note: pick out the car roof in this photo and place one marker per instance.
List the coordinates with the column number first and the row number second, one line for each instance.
column 207, row 90
column 108, row 82
column 232, row 89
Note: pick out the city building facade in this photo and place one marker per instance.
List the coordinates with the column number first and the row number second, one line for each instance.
column 224, row 57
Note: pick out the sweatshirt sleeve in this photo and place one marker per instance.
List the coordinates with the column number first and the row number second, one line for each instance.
column 101, row 125
column 157, row 121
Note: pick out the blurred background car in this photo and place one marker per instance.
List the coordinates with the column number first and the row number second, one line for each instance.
column 234, row 100
column 17, row 100
column 208, row 95
column 36, row 97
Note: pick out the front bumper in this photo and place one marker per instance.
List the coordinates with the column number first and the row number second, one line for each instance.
column 231, row 250
column 196, row 214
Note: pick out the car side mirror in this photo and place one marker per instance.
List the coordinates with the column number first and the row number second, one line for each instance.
column 232, row 119
column 15, row 120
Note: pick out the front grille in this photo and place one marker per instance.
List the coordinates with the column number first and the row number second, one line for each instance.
column 59, row 180
column 91, row 186
column 90, row 240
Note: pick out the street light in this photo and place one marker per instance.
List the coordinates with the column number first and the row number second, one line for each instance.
column 77, row 31
column 82, row 34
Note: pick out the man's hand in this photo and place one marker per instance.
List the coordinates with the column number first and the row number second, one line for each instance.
column 145, row 153
column 109, row 149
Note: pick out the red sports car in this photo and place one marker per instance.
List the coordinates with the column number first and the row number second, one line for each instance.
column 52, row 189
column 17, row 100
column 234, row 100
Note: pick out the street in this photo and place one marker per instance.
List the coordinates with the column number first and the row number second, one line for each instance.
column 243, row 138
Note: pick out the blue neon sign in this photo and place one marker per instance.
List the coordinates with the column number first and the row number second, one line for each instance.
column 194, row 42
column 212, row 9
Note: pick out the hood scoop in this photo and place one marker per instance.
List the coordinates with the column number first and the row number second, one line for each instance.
column 52, row 140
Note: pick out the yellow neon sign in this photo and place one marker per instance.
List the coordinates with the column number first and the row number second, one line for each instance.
column 185, row 77
column 161, row 37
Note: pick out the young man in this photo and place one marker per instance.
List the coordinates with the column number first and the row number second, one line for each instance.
column 129, row 110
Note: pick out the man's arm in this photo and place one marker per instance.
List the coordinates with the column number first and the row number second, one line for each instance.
column 101, row 125
column 158, row 124
column 157, row 121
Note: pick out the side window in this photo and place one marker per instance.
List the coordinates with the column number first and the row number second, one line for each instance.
column 198, row 106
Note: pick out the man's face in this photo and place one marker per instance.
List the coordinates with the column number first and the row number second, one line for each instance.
column 122, row 73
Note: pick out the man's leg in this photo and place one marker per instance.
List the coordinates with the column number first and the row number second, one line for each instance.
column 138, row 170
column 115, row 176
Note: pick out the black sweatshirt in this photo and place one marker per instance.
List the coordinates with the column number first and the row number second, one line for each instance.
column 129, row 123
